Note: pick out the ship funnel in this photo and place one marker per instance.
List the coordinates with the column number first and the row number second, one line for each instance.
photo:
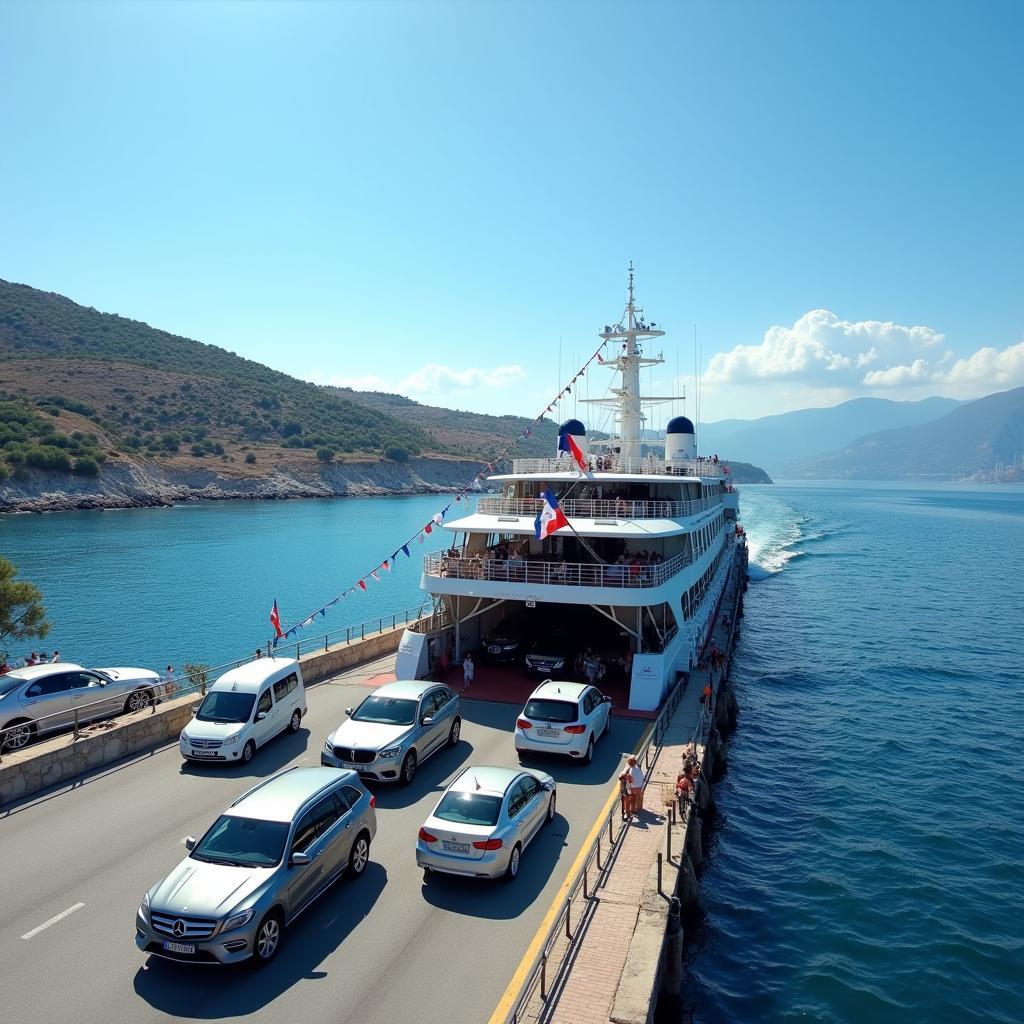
column 680, row 440
column 578, row 432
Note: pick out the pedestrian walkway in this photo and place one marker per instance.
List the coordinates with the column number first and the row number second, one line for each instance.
column 586, row 991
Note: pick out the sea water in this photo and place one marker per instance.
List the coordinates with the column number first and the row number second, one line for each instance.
column 868, row 855
column 868, row 858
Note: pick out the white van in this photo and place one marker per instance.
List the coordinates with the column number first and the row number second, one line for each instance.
column 244, row 709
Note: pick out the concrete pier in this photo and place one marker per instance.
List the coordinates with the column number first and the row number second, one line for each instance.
column 624, row 952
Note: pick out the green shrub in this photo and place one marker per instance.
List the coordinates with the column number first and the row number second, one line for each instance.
column 251, row 458
column 4, row 472
column 46, row 457
column 396, row 453
column 198, row 451
column 86, row 466
column 325, row 455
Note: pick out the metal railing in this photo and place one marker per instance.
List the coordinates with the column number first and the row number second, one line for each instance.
column 568, row 574
column 616, row 464
column 78, row 715
column 597, row 860
column 611, row 508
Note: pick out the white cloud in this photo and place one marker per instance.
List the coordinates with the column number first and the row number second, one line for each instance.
column 430, row 380
column 822, row 349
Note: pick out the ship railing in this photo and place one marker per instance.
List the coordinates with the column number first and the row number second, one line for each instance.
column 566, row 574
column 194, row 679
column 616, row 464
column 570, row 919
column 599, row 508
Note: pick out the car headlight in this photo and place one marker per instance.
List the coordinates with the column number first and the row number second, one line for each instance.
column 233, row 737
column 328, row 745
column 559, row 663
column 144, row 908
column 391, row 752
column 237, row 920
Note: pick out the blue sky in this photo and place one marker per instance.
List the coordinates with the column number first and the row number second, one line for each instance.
column 434, row 198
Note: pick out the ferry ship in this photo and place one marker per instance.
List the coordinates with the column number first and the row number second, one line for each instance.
column 638, row 572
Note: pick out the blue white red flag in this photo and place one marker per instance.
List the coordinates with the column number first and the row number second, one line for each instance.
column 567, row 443
column 275, row 619
column 550, row 517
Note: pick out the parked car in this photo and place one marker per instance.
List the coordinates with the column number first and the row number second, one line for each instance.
column 552, row 654
column 261, row 863
column 244, row 709
column 394, row 730
column 508, row 639
column 484, row 821
column 563, row 718
column 43, row 699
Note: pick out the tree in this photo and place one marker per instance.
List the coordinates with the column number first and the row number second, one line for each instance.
column 396, row 453
column 21, row 606
column 325, row 455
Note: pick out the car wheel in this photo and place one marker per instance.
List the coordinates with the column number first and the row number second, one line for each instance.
column 409, row 768
column 138, row 700
column 513, row 863
column 18, row 735
column 293, row 725
column 247, row 752
column 359, row 856
column 456, row 731
column 267, row 940
column 589, row 755
column 551, row 808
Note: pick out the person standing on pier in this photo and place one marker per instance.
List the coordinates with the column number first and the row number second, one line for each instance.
column 634, row 788
column 468, row 669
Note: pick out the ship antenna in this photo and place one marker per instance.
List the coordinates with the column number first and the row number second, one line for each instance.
column 629, row 308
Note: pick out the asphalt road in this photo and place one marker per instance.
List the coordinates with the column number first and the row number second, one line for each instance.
column 376, row 950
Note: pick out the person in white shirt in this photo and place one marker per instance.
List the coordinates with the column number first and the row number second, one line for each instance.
column 634, row 788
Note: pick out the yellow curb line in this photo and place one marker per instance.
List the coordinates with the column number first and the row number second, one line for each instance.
column 511, row 993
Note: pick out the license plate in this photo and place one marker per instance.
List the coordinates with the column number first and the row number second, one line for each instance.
column 494, row 650
column 549, row 732
column 455, row 847
column 180, row 947
column 352, row 767
column 204, row 753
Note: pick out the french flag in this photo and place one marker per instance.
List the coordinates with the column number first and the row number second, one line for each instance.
column 275, row 619
column 550, row 517
column 567, row 443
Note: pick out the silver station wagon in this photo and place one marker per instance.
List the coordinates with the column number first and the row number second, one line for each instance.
column 484, row 821
column 261, row 864
column 395, row 730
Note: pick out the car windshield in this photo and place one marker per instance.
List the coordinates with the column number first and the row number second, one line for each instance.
column 551, row 710
column 243, row 842
column 469, row 808
column 387, row 711
column 552, row 644
column 226, row 706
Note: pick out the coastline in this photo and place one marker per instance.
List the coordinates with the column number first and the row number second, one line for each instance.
column 124, row 484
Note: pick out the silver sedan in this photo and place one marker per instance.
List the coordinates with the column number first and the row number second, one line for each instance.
column 484, row 821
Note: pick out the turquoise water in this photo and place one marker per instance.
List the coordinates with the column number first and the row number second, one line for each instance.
column 869, row 854
column 868, row 863
column 196, row 582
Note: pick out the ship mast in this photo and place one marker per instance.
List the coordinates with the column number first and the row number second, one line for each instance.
column 627, row 401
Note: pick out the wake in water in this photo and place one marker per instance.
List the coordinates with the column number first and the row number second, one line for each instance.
column 773, row 531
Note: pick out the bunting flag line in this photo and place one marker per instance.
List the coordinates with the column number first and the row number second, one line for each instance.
column 438, row 518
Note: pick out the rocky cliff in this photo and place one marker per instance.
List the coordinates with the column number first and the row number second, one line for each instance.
column 125, row 483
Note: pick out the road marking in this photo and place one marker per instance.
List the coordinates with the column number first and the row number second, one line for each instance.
column 511, row 993
column 53, row 920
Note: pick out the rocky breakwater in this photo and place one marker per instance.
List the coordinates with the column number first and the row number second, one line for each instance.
column 137, row 483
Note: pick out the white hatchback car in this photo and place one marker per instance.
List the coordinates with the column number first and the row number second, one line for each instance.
column 563, row 718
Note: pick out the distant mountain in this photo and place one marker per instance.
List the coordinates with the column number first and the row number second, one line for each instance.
column 779, row 442
column 978, row 440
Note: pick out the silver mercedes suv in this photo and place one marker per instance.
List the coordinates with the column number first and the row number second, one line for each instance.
column 262, row 862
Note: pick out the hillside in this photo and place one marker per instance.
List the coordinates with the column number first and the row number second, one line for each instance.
column 467, row 433
column 778, row 442
column 978, row 440
column 145, row 392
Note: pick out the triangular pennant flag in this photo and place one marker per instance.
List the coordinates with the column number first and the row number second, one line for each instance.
column 362, row 584
column 384, row 565
column 421, row 538
column 428, row 527
column 438, row 516
column 405, row 548
column 375, row 576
